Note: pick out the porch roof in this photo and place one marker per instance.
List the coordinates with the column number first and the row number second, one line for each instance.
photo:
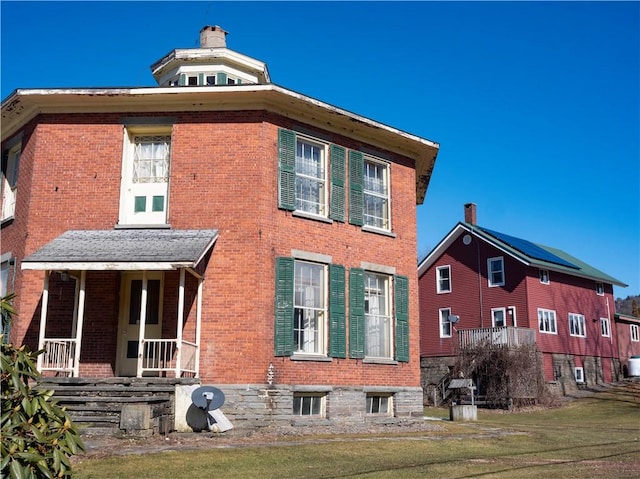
column 123, row 249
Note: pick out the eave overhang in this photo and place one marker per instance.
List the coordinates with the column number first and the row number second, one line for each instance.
column 23, row 105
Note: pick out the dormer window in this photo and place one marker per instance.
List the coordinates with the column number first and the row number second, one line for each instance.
column 192, row 80
column 211, row 80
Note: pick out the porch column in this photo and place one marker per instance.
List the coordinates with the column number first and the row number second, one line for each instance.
column 79, row 323
column 198, row 326
column 143, row 322
column 43, row 319
column 180, row 324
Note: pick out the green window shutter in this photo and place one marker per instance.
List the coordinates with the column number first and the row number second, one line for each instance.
column 337, row 160
column 356, row 313
column 337, row 308
column 286, row 170
column 401, row 294
column 283, row 336
column 356, row 187
column 221, row 78
column 201, row 79
column 182, row 80
column 239, row 81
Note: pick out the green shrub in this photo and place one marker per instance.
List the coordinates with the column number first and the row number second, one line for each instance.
column 38, row 437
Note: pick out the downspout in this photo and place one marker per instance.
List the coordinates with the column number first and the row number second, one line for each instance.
column 480, row 285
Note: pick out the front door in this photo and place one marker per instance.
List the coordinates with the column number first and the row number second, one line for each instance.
column 130, row 309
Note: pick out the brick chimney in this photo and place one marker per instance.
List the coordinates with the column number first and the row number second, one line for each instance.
column 470, row 213
column 213, row 37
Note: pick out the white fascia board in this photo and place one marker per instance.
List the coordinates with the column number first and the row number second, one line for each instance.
column 110, row 266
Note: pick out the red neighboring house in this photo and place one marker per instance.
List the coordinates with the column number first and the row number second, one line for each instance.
column 216, row 229
column 628, row 332
column 478, row 284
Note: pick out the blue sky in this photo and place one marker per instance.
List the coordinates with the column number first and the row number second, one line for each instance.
column 536, row 105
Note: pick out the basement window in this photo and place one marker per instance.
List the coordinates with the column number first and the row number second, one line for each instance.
column 380, row 404
column 308, row 404
column 579, row 375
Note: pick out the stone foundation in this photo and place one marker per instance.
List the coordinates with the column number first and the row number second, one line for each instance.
column 255, row 405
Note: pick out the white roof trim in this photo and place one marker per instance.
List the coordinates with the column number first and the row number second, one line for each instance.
column 119, row 266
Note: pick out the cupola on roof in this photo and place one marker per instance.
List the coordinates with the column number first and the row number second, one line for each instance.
column 213, row 64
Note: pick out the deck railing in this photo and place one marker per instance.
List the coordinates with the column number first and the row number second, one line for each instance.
column 161, row 356
column 59, row 355
column 509, row 337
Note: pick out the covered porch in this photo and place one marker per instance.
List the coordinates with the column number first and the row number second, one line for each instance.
column 140, row 288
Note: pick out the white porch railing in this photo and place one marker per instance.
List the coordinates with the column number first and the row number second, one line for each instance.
column 59, row 355
column 506, row 336
column 161, row 356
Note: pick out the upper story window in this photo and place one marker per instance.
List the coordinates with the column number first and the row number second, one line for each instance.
column 544, row 276
column 445, row 323
column 376, row 194
column 599, row 289
column 145, row 177
column 605, row 327
column 203, row 79
column 378, row 324
column 443, row 279
column 635, row 332
column 495, row 268
column 547, row 321
column 10, row 166
column 311, row 177
column 310, row 308
column 577, row 326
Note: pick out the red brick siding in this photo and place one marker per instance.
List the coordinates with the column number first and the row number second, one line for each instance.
column 223, row 175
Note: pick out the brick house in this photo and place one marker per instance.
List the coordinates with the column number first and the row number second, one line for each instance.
column 479, row 285
column 219, row 228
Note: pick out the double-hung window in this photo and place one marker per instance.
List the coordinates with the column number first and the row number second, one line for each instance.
column 310, row 311
column 378, row 326
column 443, row 279
column 445, row 322
column 311, row 177
column 145, row 178
column 635, row 332
column 600, row 289
column 378, row 314
column 498, row 317
column 376, row 194
column 495, row 271
column 310, row 308
column 547, row 321
column 10, row 165
column 605, row 327
column 577, row 325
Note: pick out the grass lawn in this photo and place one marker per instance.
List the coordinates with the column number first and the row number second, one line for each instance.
column 588, row 438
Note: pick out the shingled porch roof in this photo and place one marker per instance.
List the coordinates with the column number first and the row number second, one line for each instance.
column 123, row 249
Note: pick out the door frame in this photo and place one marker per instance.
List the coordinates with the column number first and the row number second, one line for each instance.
column 123, row 366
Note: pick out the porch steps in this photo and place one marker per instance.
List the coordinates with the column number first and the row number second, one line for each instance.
column 95, row 405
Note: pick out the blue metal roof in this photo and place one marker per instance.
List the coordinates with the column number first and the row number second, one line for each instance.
column 530, row 249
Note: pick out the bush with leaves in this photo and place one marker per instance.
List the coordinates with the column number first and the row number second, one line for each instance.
column 38, row 437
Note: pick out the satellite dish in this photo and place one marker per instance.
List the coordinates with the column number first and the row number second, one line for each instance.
column 208, row 398
column 453, row 318
column 466, row 239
